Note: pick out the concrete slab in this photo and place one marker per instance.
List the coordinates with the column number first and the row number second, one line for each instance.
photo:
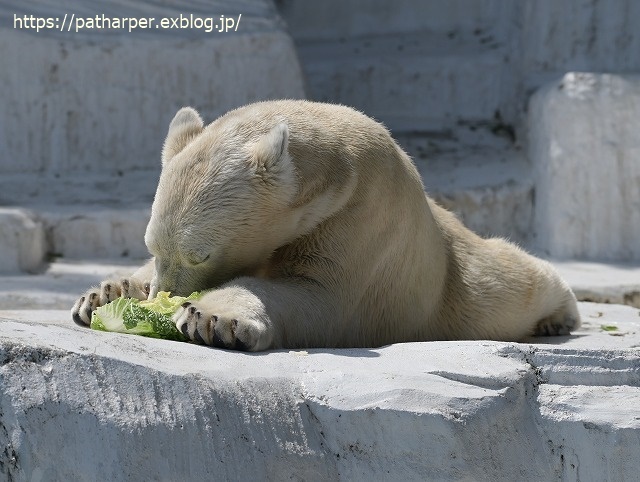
column 152, row 409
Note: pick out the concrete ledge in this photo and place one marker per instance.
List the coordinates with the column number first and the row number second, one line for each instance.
column 602, row 282
column 76, row 403
column 84, row 232
column 58, row 287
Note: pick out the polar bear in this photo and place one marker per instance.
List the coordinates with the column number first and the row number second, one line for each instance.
column 310, row 227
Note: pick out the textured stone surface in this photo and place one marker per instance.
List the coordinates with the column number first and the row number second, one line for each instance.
column 78, row 404
column 585, row 153
column 82, row 232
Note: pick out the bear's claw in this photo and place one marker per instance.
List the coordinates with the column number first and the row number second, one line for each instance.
column 214, row 330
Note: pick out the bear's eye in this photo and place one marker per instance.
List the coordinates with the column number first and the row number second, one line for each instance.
column 197, row 258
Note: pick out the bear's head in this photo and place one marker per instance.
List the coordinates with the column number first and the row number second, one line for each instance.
column 223, row 200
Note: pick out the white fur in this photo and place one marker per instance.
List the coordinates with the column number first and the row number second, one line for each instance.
column 313, row 228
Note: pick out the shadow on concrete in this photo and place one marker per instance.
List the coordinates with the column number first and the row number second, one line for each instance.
column 552, row 340
column 340, row 352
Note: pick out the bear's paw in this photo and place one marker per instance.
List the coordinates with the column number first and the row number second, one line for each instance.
column 108, row 291
column 233, row 330
column 558, row 324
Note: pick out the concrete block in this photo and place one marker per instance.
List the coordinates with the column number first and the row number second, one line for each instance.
column 22, row 241
column 93, row 232
column 83, row 405
column 585, row 151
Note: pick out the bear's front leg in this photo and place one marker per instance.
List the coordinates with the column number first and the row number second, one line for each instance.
column 252, row 314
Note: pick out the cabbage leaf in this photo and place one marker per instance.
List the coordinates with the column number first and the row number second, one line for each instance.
column 147, row 318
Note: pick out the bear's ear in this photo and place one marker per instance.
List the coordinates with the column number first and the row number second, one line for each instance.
column 271, row 148
column 186, row 124
column 272, row 162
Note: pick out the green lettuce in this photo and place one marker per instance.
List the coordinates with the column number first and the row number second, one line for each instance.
column 608, row 327
column 147, row 318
